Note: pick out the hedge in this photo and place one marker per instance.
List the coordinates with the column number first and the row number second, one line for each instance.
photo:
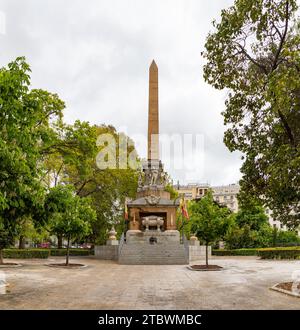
column 280, row 253
column 26, row 253
column 43, row 253
column 236, row 252
column 73, row 252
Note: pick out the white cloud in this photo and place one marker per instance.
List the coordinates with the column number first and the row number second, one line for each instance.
column 95, row 54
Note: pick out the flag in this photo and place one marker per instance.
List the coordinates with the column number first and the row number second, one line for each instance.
column 126, row 211
column 183, row 208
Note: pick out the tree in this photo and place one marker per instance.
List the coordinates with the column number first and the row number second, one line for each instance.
column 72, row 160
column 173, row 193
column 251, row 227
column 69, row 215
column 286, row 238
column 25, row 117
column 251, row 214
column 107, row 187
column 254, row 54
column 208, row 220
column 26, row 229
column 70, row 157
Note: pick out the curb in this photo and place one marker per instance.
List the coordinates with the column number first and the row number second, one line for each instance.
column 290, row 293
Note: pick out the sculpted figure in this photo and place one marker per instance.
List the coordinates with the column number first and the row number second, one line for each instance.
column 154, row 177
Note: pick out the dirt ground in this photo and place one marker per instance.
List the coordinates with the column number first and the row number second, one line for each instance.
column 243, row 284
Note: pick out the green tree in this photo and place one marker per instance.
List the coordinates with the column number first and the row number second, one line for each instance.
column 26, row 116
column 251, row 214
column 251, row 227
column 173, row 193
column 254, row 54
column 287, row 238
column 69, row 159
column 72, row 160
column 107, row 187
column 69, row 215
column 27, row 230
column 208, row 220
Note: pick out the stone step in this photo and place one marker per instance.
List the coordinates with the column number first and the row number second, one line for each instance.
column 141, row 253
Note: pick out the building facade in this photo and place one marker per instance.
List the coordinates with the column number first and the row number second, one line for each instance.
column 224, row 195
column 192, row 191
column 227, row 195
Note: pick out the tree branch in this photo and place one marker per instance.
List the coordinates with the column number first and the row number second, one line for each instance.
column 83, row 185
column 287, row 128
column 262, row 67
column 283, row 37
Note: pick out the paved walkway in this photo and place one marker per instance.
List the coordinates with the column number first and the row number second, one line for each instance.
column 244, row 284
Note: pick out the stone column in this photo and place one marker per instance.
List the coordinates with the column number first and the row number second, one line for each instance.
column 153, row 123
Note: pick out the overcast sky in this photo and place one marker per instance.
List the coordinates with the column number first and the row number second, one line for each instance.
column 96, row 55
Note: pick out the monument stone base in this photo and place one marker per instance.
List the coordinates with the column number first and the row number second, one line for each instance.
column 107, row 252
column 112, row 242
column 148, row 236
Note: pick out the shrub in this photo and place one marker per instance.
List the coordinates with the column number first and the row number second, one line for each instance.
column 280, row 253
column 286, row 238
column 235, row 252
column 73, row 252
column 26, row 253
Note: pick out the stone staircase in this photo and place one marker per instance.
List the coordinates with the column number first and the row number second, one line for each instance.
column 144, row 253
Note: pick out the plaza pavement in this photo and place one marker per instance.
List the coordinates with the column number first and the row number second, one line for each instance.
column 243, row 284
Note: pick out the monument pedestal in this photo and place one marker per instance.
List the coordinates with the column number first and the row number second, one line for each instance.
column 112, row 242
column 145, row 237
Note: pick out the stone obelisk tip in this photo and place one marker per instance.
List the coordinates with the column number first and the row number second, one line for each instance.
column 153, row 65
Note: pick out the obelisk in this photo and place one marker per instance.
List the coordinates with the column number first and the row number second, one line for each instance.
column 153, row 124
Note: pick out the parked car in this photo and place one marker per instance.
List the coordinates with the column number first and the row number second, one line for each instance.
column 45, row 245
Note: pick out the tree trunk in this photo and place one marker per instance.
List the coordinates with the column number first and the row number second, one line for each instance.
column 21, row 242
column 59, row 241
column 68, row 252
column 206, row 254
column 1, row 257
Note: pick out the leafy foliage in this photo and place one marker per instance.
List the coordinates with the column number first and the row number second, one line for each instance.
column 254, row 53
column 72, row 161
column 70, row 215
column 25, row 118
column 280, row 253
column 208, row 220
column 25, row 127
column 236, row 252
column 252, row 230
column 26, row 253
column 173, row 193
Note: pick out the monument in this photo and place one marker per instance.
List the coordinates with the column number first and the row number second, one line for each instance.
column 152, row 236
column 152, row 215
